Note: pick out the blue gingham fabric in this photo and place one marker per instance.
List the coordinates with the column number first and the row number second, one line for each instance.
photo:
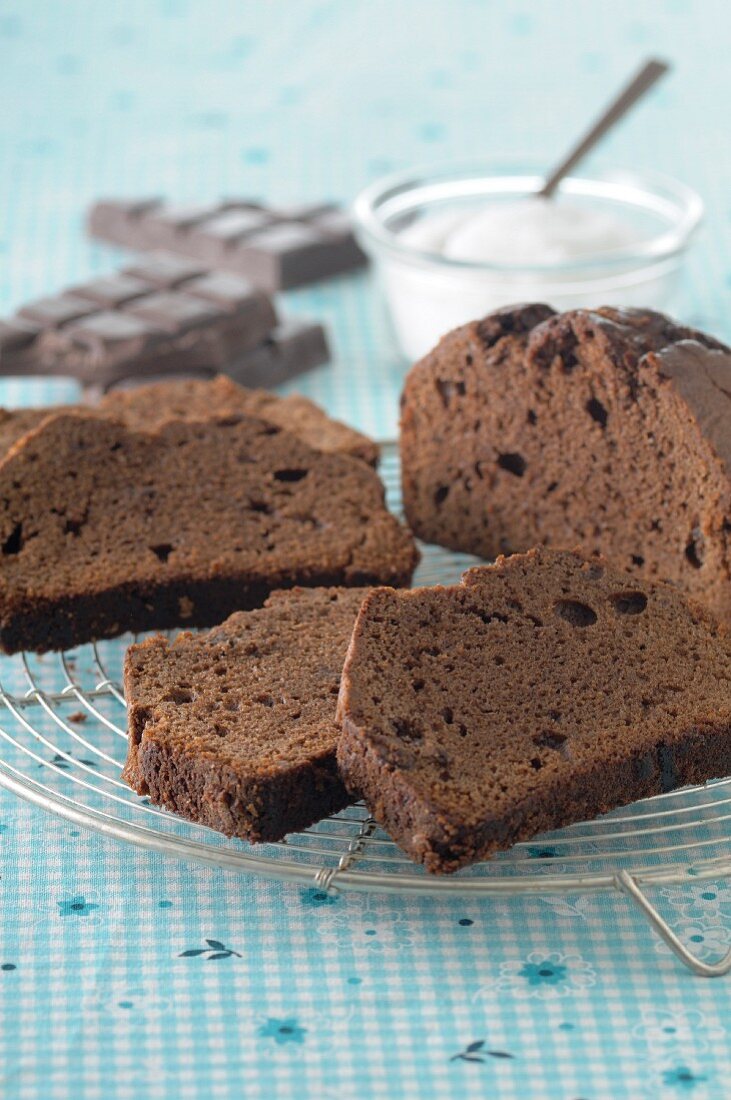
column 127, row 976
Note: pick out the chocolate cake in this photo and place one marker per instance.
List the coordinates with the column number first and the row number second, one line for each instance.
column 104, row 529
column 540, row 691
column 609, row 429
column 146, row 407
column 236, row 728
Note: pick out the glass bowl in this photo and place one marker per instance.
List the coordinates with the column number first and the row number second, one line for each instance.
column 428, row 294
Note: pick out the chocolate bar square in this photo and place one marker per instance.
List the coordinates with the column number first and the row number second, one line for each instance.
column 113, row 219
column 294, row 346
column 112, row 327
column 175, row 313
column 165, row 224
column 224, row 288
column 283, row 255
column 107, row 343
column 112, row 290
column 16, row 334
column 210, row 240
column 55, row 311
column 164, row 269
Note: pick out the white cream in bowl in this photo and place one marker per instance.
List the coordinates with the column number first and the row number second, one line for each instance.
column 450, row 248
column 530, row 231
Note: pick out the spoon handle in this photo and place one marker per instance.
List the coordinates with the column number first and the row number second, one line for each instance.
column 650, row 72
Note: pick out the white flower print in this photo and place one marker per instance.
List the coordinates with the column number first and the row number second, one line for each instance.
column 663, row 1030
column 132, row 1002
column 703, row 901
column 376, row 926
column 544, row 975
column 705, row 940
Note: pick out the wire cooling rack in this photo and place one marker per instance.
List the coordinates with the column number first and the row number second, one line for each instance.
column 63, row 743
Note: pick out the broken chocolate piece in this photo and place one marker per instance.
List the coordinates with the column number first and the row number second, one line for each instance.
column 164, row 315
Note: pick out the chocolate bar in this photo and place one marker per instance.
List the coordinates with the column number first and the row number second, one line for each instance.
column 162, row 315
column 275, row 248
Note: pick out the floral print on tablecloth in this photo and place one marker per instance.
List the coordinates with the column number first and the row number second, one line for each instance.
column 706, row 939
column 703, row 901
column 544, row 975
column 675, row 1042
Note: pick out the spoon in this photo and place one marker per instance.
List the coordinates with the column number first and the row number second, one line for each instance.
column 650, row 72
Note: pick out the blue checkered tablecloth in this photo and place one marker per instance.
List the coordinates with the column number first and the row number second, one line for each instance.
column 127, row 976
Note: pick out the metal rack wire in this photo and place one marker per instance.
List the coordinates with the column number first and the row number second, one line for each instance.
column 63, row 743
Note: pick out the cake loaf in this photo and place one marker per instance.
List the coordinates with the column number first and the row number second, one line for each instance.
column 609, row 429
column 146, row 407
column 540, row 691
column 105, row 529
column 236, row 728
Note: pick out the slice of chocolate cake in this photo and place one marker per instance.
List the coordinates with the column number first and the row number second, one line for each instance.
column 236, row 728
column 540, row 691
column 146, row 407
column 104, row 529
column 609, row 429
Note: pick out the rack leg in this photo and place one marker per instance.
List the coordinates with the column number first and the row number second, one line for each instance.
column 625, row 882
